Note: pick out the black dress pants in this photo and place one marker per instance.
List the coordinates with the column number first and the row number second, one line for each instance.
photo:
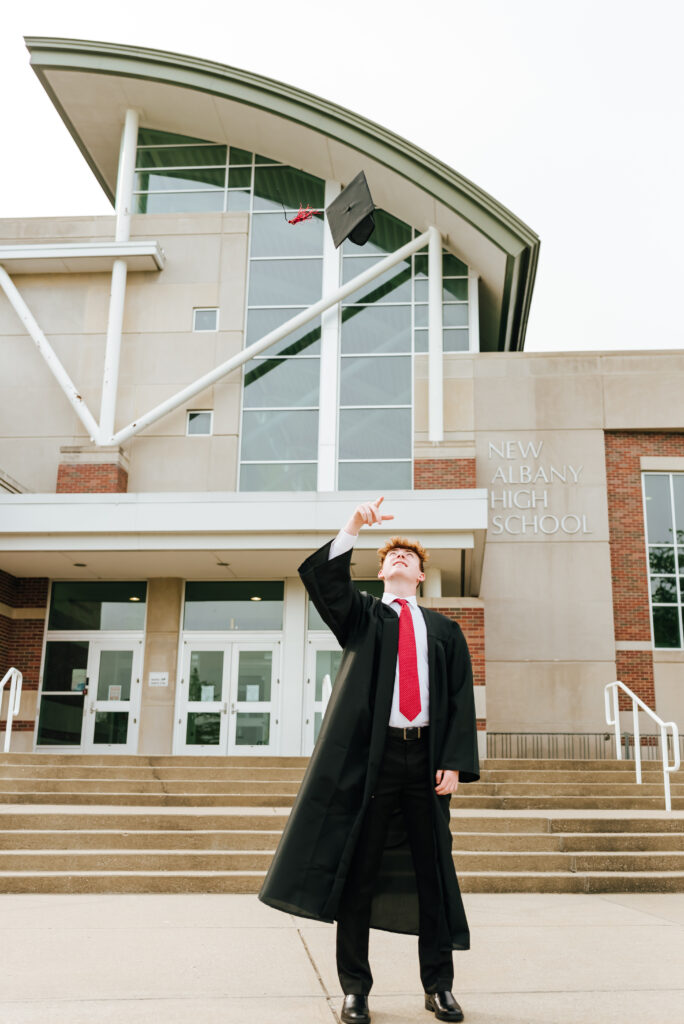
column 404, row 781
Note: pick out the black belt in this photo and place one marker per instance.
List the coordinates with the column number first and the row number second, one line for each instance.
column 412, row 733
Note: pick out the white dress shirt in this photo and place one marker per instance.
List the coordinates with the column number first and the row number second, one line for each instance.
column 345, row 542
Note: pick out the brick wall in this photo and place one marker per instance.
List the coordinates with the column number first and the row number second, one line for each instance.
column 91, row 478
column 471, row 621
column 624, row 449
column 21, row 639
column 443, row 474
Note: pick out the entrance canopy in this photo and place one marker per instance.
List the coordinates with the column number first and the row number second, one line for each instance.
column 223, row 536
column 93, row 84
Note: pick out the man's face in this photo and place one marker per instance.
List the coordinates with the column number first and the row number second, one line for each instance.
column 401, row 564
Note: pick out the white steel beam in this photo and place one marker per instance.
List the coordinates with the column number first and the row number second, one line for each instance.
column 435, row 358
column 330, row 357
column 473, row 311
column 117, row 294
column 50, row 356
column 272, row 337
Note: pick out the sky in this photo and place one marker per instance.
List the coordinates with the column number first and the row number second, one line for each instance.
column 570, row 114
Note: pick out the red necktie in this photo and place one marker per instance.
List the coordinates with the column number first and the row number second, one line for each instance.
column 409, row 690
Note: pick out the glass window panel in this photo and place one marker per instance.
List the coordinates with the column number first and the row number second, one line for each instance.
column 678, row 488
column 661, row 559
column 318, row 720
column 237, row 202
column 278, row 476
column 228, row 604
column 240, row 177
column 182, row 156
column 61, row 718
column 154, row 137
column 255, row 669
column 452, row 266
column 278, row 187
column 116, row 669
column 252, row 729
column 455, row 340
column 658, row 509
column 206, row 675
column 305, row 340
column 97, row 605
column 420, row 343
column 451, row 290
column 285, row 282
column 390, row 234
column 239, row 156
column 65, row 665
column 392, row 286
column 280, row 435
column 170, row 181
column 355, row 476
column 663, row 589
column 203, row 727
column 375, row 380
column 260, row 159
column 275, row 382
column 681, row 559
column 666, row 627
column 455, row 289
column 327, row 664
column 205, row 320
column 375, row 433
column 376, row 328
column 271, row 235
column 455, row 314
column 199, row 423
column 180, row 202
column 111, row 726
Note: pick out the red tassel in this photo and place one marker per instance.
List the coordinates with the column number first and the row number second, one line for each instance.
column 305, row 213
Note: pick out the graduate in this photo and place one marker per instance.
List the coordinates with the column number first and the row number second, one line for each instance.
column 368, row 843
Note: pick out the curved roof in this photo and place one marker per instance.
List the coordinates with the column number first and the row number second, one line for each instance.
column 93, row 83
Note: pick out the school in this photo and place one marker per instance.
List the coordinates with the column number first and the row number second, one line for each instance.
column 159, row 488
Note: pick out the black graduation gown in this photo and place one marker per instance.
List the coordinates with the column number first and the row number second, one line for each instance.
column 310, row 866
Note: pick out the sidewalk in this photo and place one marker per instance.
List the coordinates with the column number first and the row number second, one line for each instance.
column 148, row 959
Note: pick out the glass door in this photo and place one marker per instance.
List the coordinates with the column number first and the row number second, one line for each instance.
column 203, row 698
column 112, row 696
column 228, row 697
column 254, row 691
column 323, row 662
column 62, row 697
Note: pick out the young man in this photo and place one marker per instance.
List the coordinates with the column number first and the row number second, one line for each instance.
column 368, row 842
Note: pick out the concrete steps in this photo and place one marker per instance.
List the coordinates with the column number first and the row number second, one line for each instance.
column 78, row 823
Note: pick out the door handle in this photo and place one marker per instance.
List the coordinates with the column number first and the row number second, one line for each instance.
column 225, row 707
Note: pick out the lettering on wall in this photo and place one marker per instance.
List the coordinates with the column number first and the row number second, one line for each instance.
column 520, row 495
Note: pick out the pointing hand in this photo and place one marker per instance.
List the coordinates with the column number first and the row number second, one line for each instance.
column 366, row 515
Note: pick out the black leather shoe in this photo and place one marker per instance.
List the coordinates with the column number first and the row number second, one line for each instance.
column 355, row 1010
column 443, row 1005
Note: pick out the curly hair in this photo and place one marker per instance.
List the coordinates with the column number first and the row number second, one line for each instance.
column 403, row 542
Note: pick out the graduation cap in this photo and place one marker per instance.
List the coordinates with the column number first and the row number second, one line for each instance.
column 350, row 215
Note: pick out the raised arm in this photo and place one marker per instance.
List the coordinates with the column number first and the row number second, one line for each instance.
column 327, row 578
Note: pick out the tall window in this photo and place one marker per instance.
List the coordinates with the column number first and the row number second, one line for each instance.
column 279, row 436
column 381, row 327
column 664, row 500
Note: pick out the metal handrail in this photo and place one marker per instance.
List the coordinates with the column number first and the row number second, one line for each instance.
column 636, row 704
column 15, row 680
